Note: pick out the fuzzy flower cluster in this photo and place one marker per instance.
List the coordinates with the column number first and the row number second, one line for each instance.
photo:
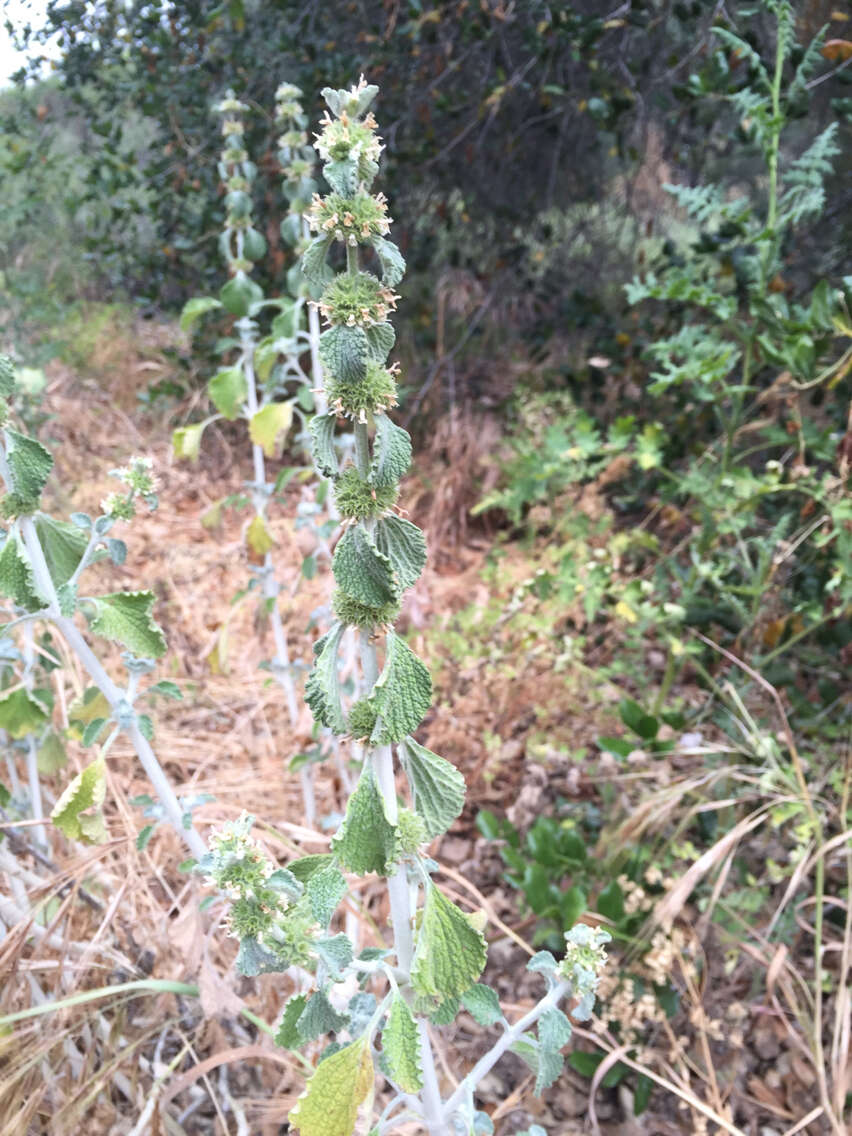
column 351, row 219
column 348, row 137
column 139, row 478
column 357, row 301
column 585, row 958
column 264, row 907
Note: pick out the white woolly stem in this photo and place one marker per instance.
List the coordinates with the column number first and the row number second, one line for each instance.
column 113, row 694
column 270, row 587
column 39, row 831
column 486, row 1063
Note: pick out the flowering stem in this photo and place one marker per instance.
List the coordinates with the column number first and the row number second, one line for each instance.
column 486, row 1063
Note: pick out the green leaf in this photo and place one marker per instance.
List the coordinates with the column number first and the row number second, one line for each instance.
column 239, row 294
column 450, row 953
column 322, row 690
column 325, row 890
column 554, row 1029
column 287, row 1035
column 269, row 424
column 253, row 959
column 21, row 713
column 30, row 464
column 195, row 308
column 7, row 377
column 51, row 756
column 344, row 352
column 336, row 952
column 380, row 340
column 265, row 357
column 16, row 574
column 611, row 902
column 91, row 732
column 125, row 617
column 320, row 1017
column 391, row 260
column 550, row 1064
column 438, row 788
column 335, row 1092
column 365, row 841
column 401, row 1047
column 308, row 866
column 167, row 689
column 63, row 545
column 314, row 265
column 342, row 176
column 391, row 453
column 186, row 440
column 322, row 445
column 404, row 545
column 361, row 571
column 402, row 693
column 227, row 390
column 482, row 1003
column 78, row 812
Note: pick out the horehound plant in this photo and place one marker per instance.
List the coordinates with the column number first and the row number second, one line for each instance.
column 266, row 386
column 42, row 562
column 381, row 1006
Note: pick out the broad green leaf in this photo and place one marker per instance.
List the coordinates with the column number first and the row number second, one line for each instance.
column 391, row 260
column 402, row 693
column 258, row 537
column 336, row 952
column 91, row 704
column 125, row 617
column 7, row 377
column 380, row 340
column 549, row 1066
column 401, row 1047
column 21, row 713
column 265, row 357
column 482, row 1004
column 51, row 756
column 344, row 352
column 63, row 545
column 16, row 574
column 253, row 959
column 186, row 440
column 286, row 323
column 227, row 390
column 30, row 464
column 404, row 545
column 319, row 1017
column 438, row 788
column 450, row 953
column 361, row 571
column 322, row 445
column 314, row 265
column 239, row 294
column 306, row 867
column 325, row 890
column 554, row 1031
column 337, row 1089
column 391, row 453
column 269, row 425
column 342, row 176
column 287, row 1035
column 365, row 841
column 195, row 308
column 322, row 689
column 78, row 812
